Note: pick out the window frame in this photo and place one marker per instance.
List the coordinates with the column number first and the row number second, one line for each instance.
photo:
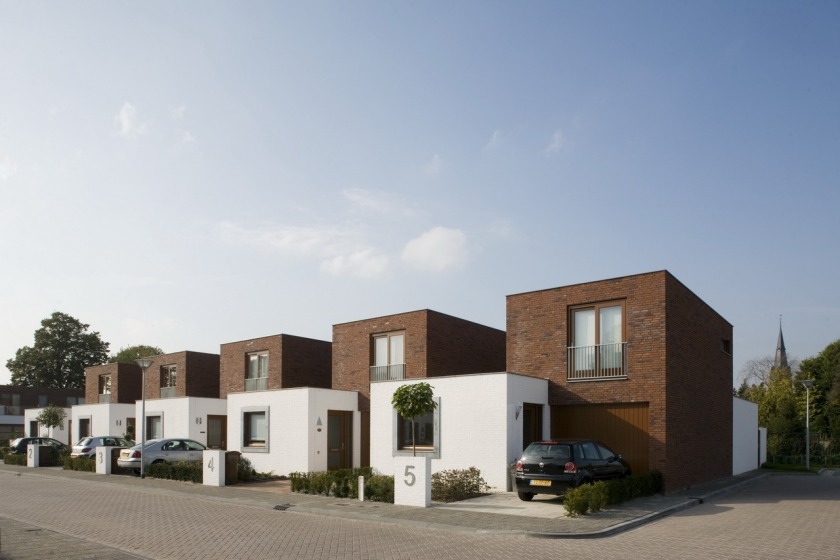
column 169, row 376
column 245, row 415
column 598, row 351
column 401, row 449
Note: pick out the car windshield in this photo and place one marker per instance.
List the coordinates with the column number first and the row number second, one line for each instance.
column 149, row 443
column 85, row 441
column 16, row 442
column 549, row 450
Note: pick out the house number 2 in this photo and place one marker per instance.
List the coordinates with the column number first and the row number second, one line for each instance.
column 410, row 477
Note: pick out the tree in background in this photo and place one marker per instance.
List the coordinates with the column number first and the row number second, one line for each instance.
column 129, row 354
column 63, row 349
column 51, row 416
column 824, row 369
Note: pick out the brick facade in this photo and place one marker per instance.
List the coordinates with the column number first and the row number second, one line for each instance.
column 293, row 361
column 435, row 345
column 126, row 383
column 197, row 374
column 675, row 363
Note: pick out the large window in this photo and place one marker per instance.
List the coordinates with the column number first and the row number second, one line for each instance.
column 154, row 427
column 388, row 357
column 168, row 381
column 256, row 376
column 426, row 433
column 597, row 345
column 255, row 429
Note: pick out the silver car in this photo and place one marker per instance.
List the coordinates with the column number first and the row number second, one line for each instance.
column 86, row 447
column 169, row 450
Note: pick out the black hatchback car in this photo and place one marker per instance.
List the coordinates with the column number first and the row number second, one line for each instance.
column 19, row 445
column 552, row 467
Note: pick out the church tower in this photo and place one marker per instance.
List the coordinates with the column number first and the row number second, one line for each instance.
column 781, row 360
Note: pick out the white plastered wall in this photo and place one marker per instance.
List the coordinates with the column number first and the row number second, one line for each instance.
column 184, row 417
column 105, row 419
column 746, row 450
column 296, row 442
column 477, row 422
column 61, row 433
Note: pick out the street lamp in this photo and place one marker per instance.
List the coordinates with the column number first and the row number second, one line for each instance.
column 144, row 364
column 808, row 383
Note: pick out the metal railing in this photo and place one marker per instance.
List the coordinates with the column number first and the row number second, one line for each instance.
column 167, row 392
column 256, row 384
column 11, row 410
column 602, row 361
column 105, row 398
column 387, row 373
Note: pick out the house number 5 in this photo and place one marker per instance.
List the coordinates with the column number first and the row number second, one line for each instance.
column 410, row 477
column 210, row 464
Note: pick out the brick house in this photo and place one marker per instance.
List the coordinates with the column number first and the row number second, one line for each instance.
column 15, row 400
column 412, row 345
column 639, row 362
column 183, row 374
column 113, row 383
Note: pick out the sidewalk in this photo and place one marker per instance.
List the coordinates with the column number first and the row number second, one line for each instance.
column 496, row 513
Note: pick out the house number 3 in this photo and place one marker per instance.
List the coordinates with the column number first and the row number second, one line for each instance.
column 101, row 459
column 410, row 477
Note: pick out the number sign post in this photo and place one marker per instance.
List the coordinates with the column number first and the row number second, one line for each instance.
column 413, row 481
column 214, row 467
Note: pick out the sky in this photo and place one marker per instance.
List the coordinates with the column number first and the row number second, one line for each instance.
column 186, row 174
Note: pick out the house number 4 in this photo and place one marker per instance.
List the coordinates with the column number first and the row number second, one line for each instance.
column 210, row 464
column 410, row 477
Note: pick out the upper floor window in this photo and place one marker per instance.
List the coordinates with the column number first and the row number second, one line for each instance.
column 168, row 381
column 597, row 348
column 256, row 376
column 104, row 384
column 388, row 357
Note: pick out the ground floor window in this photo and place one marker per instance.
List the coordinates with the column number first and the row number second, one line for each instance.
column 255, row 429
column 426, row 433
column 154, row 427
column 84, row 427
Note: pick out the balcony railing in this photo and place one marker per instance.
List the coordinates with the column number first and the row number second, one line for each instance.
column 603, row 361
column 11, row 410
column 167, row 392
column 256, row 384
column 387, row 373
column 105, row 398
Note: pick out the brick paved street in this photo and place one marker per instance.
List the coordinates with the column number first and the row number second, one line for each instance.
column 58, row 516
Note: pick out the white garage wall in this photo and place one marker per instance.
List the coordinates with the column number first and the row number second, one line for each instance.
column 105, row 419
column 294, row 442
column 477, row 422
column 184, row 417
column 745, row 437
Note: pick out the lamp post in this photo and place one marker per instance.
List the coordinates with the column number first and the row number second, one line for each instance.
column 808, row 383
column 144, row 364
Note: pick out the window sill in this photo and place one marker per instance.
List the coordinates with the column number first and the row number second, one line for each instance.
column 421, row 452
column 260, row 449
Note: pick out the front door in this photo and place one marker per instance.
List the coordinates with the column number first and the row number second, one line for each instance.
column 339, row 439
column 216, row 432
column 531, row 423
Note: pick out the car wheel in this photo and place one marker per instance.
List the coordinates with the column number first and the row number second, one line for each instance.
column 525, row 496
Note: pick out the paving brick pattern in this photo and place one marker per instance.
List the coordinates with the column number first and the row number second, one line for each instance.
column 50, row 513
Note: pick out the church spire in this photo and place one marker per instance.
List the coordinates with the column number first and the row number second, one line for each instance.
column 781, row 360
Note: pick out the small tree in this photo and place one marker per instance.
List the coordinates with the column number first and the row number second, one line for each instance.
column 52, row 416
column 412, row 401
column 129, row 354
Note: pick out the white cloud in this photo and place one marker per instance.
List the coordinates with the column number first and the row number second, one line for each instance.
column 177, row 113
column 496, row 140
column 369, row 200
column 557, row 143
column 128, row 123
column 366, row 263
column 436, row 250
column 8, row 168
column 434, row 166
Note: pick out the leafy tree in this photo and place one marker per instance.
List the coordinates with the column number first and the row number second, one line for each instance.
column 412, row 401
column 824, row 369
column 129, row 354
column 51, row 416
column 63, row 349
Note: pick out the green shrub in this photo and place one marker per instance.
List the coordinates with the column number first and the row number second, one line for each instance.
column 189, row 471
column 79, row 464
column 343, row 483
column 458, row 484
column 15, row 459
column 379, row 488
column 595, row 497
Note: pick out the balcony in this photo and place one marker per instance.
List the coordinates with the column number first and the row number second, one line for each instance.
column 603, row 361
column 167, row 392
column 256, row 384
column 11, row 410
column 387, row 373
column 105, row 398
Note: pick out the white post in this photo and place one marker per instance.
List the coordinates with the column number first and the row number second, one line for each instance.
column 413, row 481
column 103, row 460
column 214, row 467
column 33, row 457
column 361, row 489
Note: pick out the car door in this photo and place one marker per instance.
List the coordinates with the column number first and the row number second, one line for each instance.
column 595, row 465
column 195, row 451
column 612, row 466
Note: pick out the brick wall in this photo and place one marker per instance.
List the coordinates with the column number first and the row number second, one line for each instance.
column 126, row 383
column 293, row 361
column 29, row 396
column 435, row 345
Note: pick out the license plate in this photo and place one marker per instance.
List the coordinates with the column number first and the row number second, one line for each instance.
column 124, row 454
column 540, row 483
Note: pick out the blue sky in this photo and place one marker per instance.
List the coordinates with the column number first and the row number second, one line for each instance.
column 194, row 173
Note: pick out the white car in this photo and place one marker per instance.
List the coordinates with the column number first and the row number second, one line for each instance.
column 169, row 450
column 86, row 447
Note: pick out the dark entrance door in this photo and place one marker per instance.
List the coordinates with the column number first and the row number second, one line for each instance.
column 339, row 439
column 531, row 423
column 216, row 432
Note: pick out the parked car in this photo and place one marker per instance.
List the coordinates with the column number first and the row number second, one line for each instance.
column 19, row 445
column 552, row 467
column 86, row 447
column 169, row 450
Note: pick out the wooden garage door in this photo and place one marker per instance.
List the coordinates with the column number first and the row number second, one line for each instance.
column 622, row 426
